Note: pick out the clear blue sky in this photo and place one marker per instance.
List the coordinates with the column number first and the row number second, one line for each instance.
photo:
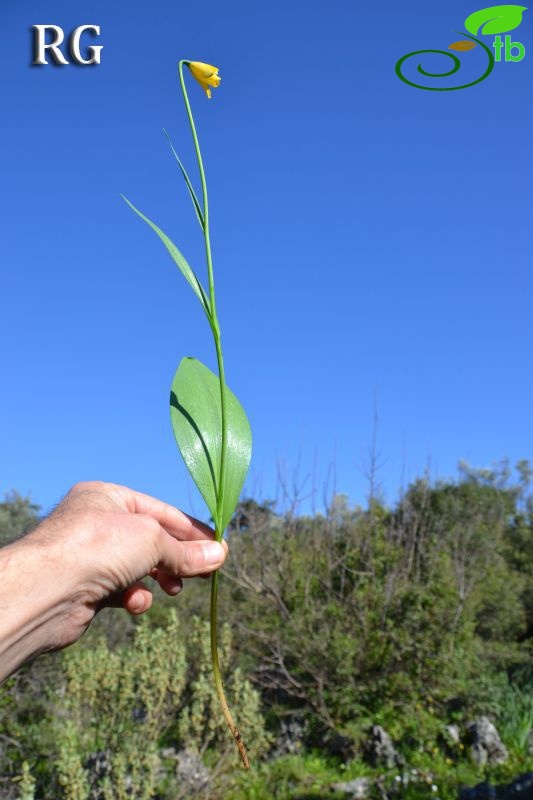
column 372, row 244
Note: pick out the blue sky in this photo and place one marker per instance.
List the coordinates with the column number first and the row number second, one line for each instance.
column 372, row 245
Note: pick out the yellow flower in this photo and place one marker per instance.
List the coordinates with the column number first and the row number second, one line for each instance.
column 205, row 74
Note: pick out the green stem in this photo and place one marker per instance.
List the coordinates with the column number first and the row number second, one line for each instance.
column 215, row 328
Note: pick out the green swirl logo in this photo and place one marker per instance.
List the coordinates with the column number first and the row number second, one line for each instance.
column 487, row 21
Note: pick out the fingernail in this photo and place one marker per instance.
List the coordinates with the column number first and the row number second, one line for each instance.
column 214, row 554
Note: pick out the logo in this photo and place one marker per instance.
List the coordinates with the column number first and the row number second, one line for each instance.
column 487, row 22
column 58, row 37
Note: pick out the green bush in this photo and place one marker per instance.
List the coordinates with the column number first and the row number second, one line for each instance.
column 116, row 710
column 410, row 616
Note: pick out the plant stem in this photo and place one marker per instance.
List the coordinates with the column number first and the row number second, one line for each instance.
column 215, row 328
column 217, row 674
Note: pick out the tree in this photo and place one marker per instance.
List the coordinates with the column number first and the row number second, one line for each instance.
column 18, row 515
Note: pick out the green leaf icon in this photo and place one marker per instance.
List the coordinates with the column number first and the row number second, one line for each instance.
column 496, row 19
column 197, row 423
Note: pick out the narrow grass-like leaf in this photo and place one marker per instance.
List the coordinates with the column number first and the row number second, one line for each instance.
column 179, row 259
column 195, row 201
column 197, row 422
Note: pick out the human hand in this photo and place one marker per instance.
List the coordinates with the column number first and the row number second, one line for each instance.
column 93, row 551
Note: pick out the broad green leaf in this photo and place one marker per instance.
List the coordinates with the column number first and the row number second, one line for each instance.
column 178, row 259
column 195, row 201
column 496, row 19
column 197, row 422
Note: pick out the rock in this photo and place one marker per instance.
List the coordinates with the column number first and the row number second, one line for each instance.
column 169, row 752
column 453, row 734
column 483, row 791
column 191, row 771
column 358, row 789
column 486, row 747
column 520, row 789
column 379, row 750
column 289, row 739
column 340, row 746
column 99, row 767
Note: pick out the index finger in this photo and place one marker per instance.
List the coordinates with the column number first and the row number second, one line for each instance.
column 175, row 522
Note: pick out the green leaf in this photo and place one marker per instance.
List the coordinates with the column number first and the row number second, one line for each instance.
column 196, row 417
column 178, row 259
column 195, row 201
column 496, row 19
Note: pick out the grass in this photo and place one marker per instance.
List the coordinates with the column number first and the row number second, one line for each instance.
column 515, row 718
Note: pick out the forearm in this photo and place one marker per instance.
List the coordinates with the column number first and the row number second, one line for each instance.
column 36, row 595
